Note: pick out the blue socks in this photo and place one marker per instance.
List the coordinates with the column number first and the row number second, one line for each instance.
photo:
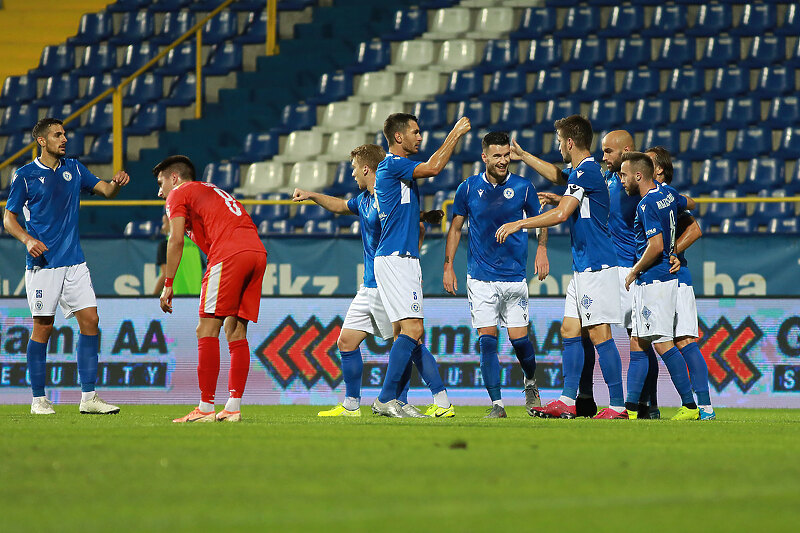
column 572, row 363
column 37, row 362
column 398, row 360
column 404, row 385
column 611, row 366
column 586, row 387
column 428, row 368
column 87, row 361
column 650, row 389
column 490, row 366
column 680, row 376
column 352, row 367
column 526, row 355
column 698, row 372
column 637, row 373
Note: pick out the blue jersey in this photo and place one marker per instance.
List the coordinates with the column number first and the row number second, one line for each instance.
column 397, row 194
column 49, row 200
column 684, row 276
column 488, row 207
column 364, row 206
column 592, row 248
column 657, row 213
column 620, row 219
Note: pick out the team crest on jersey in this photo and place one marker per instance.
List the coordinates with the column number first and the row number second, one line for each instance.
column 67, row 176
column 523, row 303
column 646, row 313
column 415, row 307
column 508, row 193
column 39, row 305
column 586, row 301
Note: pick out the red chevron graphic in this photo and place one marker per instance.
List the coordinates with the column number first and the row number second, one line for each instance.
column 320, row 353
column 731, row 355
column 297, row 352
column 708, row 348
column 725, row 351
column 271, row 351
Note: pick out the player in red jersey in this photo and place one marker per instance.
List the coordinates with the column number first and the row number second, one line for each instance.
column 231, row 290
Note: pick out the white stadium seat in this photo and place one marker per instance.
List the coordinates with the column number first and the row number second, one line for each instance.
column 420, row 85
column 341, row 115
column 308, row 175
column 493, row 22
column 302, row 145
column 448, row 23
column 377, row 113
column 374, row 86
column 456, row 54
column 262, row 177
column 341, row 144
column 413, row 55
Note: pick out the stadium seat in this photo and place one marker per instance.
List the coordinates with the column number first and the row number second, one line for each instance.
column 97, row 59
column 624, row 21
column 20, row 118
column 408, row 24
column 684, row 83
column 123, row 6
column 60, row 89
column 529, row 140
column 492, row 21
column 783, row 112
column 789, row 144
column 381, row 141
column 449, row 23
column 551, row 84
column 438, row 202
column 556, row 109
column 755, row 19
column 18, row 89
column 343, row 182
column 136, row 56
column 765, row 50
column 93, row 28
column 640, row 83
column 224, row 175
column 551, row 152
column 142, row 228
column 752, row 142
column 535, row 23
column 667, row 20
column 696, row 112
column 457, row 54
column 338, row 115
column 182, row 91
column 102, row 150
column 681, row 173
column 788, row 226
column 145, row 88
column 310, row 213
column 462, row 85
column 647, row 113
column 340, row 144
column 763, row 173
column 135, row 27
column 774, row 81
column 173, row 26
column 431, row 141
column 790, row 23
column 309, row 175
column 586, row 53
column 516, row 114
column 372, row 55
column 447, row 180
column 740, row 113
column 717, row 212
column 99, row 119
column 276, row 227
column 478, row 111
column 594, row 84
column 505, row 85
column 736, row 226
column 793, row 58
column 375, row 86
column 630, row 53
column 225, row 58
column 719, row 51
column 666, row 137
column 167, row 6
column 147, row 118
column 541, row 184
column 675, row 52
column 499, row 54
column 431, row 115
column 255, row 28
column 16, row 142
column 333, row 87
column 579, row 22
column 221, row 28
column 607, row 114
column 55, row 60
column 542, row 54
column 303, row 145
column 320, row 227
column 728, row 82
column 705, row 143
column 257, row 147
column 716, row 175
column 711, row 19
column 99, row 83
column 377, row 113
column 262, row 177
column 420, row 85
column 413, row 55
column 62, row 111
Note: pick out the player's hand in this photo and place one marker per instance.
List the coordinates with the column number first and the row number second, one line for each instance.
column 541, row 264
column 462, row 126
column 166, row 300
column 507, row 229
column 516, row 151
column 35, row 247
column 549, row 198
column 674, row 264
column 300, row 195
column 629, row 279
column 449, row 280
column 433, row 217
column 121, row 178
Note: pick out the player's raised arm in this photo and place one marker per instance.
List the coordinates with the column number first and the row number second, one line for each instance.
column 109, row 189
column 548, row 171
column 330, row 203
column 451, row 247
column 440, row 157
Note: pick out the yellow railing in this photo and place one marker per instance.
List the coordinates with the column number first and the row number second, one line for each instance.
column 116, row 92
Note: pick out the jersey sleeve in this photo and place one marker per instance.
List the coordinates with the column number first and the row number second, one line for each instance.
column 88, row 180
column 17, row 195
column 352, row 204
column 176, row 205
column 402, row 168
column 531, row 201
column 682, row 203
column 648, row 214
column 575, row 189
column 460, row 201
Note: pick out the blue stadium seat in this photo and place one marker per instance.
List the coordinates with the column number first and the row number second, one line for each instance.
column 257, row 147
column 755, row 19
column 255, row 29
column 551, row 152
column 97, row 59
column 675, row 52
column 516, row 114
column 277, row 227
column 535, row 23
column 684, row 83
column 728, row 82
column 648, row 113
column 439, row 199
column 223, row 175
column 711, row 19
column 136, row 56
column 333, row 87
column 696, row 112
column 381, row 141
column 607, row 114
column 667, row 137
column 640, row 83
column 789, row 145
column 182, row 91
column 736, row 226
column 309, row 212
column 431, row 115
column 62, row 111
column 556, row 109
column 18, row 89
column 716, row 175
column 541, row 184
column 179, row 60
column 793, row 58
column 93, row 28
column 740, row 113
column 270, row 213
column 586, row 53
column 790, row 24
column 99, row 83
column 142, row 228
column 580, row 22
column 408, row 24
column 783, row 112
column 55, row 60
column 319, row 227
column 463, row 85
column 470, row 149
column 529, row 139
column 147, row 118
column 102, row 150
column 146, row 88
column 630, row 53
column 173, row 26
column 542, row 54
column 15, row 143
column 667, row 21
column 719, row 51
column 123, row 6
column 343, row 181
column 168, row 6
column 135, row 27
column 780, row 226
column 447, row 180
column 717, row 212
column 431, row 141
column 681, row 174
column 595, row 84
column 763, row 173
column 60, row 89
column 226, row 58
column 774, row 81
column 705, row 143
column 296, row 117
column 499, row 54
column 506, row 84
column 765, row 50
column 551, row 84
column 752, row 142
column 372, row 55
column 624, row 21
column 221, row 28
column 19, row 118
column 99, row 119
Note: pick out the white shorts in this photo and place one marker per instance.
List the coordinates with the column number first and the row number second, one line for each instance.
column 69, row 287
column 625, row 297
column 400, row 286
column 593, row 297
column 654, row 310
column 686, row 312
column 498, row 302
column 366, row 313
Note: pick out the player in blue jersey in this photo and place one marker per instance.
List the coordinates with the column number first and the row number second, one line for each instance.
column 397, row 269
column 686, row 330
column 47, row 193
column 592, row 302
column 654, row 287
column 366, row 314
column 496, row 286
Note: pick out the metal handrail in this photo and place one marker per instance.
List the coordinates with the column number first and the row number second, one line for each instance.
column 116, row 92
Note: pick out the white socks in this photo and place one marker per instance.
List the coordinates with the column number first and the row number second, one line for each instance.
column 86, row 396
column 233, row 404
column 350, row 403
column 569, row 402
column 440, row 399
column 499, row 402
column 206, row 407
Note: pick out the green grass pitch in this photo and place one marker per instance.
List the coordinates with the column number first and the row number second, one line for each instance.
column 284, row 469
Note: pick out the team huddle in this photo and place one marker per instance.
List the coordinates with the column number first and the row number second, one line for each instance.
column 628, row 230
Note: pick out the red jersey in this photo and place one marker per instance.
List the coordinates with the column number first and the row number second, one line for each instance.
column 215, row 221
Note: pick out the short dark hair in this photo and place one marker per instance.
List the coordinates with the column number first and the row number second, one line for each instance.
column 368, row 154
column 664, row 160
column 577, row 128
column 180, row 164
column 41, row 127
column 496, row 138
column 396, row 122
column 641, row 161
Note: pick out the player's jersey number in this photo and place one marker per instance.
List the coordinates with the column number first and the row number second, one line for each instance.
column 230, row 201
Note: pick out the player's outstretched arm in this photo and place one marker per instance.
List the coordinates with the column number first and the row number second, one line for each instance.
column 542, row 263
column 558, row 215
column 548, row 171
column 655, row 245
column 109, row 189
column 11, row 224
column 690, row 234
column 440, row 157
column 330, row 203
column 451, row 247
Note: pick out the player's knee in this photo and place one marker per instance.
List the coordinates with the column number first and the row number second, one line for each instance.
column 42, row 331
column 413, row 329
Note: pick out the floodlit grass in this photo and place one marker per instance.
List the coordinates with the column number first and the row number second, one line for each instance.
column 284, row 469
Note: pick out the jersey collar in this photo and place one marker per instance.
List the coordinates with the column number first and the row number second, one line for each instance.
column 483, row 177
column 45, row 167
column 654, row 189
column 587, row 158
